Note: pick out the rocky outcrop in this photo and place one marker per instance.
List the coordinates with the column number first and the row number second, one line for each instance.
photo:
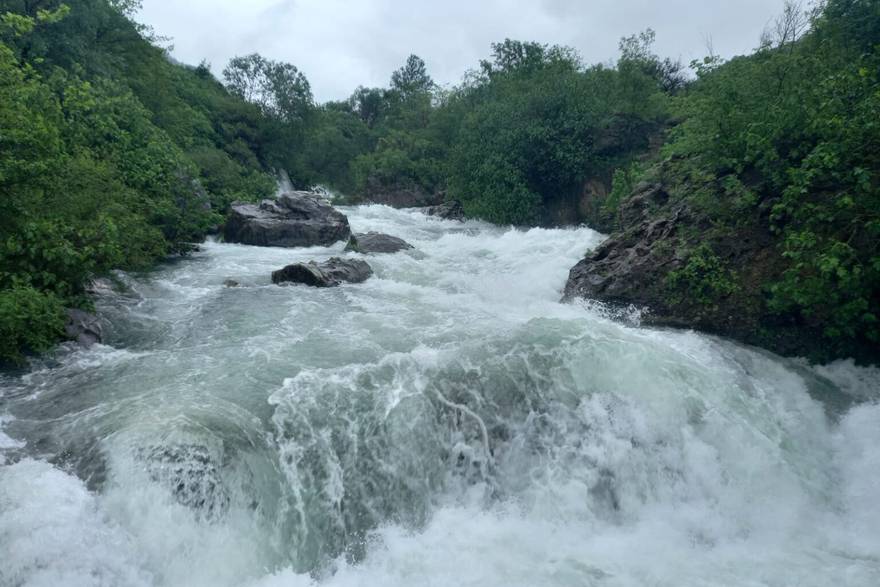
column 330, row 273
column 671, row 260
column 293, row 219
column 376, row 242
column 627, row 267
column 447, row 211
column 83, row 327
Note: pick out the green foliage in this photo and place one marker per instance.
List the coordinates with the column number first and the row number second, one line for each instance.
column 110, row 157
column 30, row 321
column 537, row 126
column 702, row 280
column 412, row 79
column 794, row 130
column 622, row 185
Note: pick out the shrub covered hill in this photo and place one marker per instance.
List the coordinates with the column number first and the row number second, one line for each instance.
column 741, row 196
column 760, row 217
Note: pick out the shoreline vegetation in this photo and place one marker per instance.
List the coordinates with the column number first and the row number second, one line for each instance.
column 742, row 196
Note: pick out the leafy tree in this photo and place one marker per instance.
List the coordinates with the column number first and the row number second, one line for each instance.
column 412, row 78
column 278, row 88
column 370, row 104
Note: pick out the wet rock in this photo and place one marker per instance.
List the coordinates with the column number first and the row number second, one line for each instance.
column 100, row 286
column 294, row 219
column 659, row 237
column 231, row 283
column 330, row 273
column 375, row 242
column 83, row 327
column 628, row 267
column 447, row 211
column 192, row 474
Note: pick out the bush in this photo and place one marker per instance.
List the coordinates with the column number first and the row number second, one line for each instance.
column 30, row 321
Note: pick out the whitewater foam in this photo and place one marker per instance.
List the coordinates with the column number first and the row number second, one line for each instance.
column 446, row 423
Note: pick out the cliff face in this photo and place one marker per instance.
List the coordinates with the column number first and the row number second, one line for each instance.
column 672, row 260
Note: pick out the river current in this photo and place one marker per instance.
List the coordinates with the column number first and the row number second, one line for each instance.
column 446, row 423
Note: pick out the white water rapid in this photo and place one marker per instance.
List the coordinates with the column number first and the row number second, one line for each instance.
column 447, row 423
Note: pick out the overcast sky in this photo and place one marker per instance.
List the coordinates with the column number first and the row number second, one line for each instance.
column 340, row 44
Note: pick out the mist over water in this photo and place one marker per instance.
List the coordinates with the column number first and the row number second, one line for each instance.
column 446, row 423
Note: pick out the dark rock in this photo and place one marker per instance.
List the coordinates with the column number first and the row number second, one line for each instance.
column 231, row 283
column 330, row 273
column 83, row 327
column 192, row 473
column 447, row 211
column 375, row 242
column 630, row 267
column 398, row 194
column 658, row 237
column 644, row 201
column 294, row 219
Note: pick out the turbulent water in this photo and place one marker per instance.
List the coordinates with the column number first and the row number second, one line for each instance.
column 448, row 422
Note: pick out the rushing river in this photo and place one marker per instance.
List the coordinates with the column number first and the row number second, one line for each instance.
column 446, row 423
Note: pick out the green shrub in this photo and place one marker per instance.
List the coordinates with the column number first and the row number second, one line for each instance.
column 30, row 321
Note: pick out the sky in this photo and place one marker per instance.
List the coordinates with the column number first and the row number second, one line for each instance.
column 341, row 44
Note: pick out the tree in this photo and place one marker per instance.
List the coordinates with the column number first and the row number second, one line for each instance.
column 412, row 78
column 511, row 56
column 637, row 54
column 280, row 89
column 370, row 104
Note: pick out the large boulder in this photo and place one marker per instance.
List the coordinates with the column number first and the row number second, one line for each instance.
column 330, row 273
column 293, row 219
column 376, row 242
column 448, row 211
column 83, row 327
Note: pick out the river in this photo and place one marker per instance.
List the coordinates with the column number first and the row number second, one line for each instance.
column 446, row 423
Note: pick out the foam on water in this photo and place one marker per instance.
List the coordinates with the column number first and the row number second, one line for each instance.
column 446, row 423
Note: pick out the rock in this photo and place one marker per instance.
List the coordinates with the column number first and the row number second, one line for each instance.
column 83, row 327
column 100, row 286
column 375, row 242
column 658, row 238
column 397, row 193
column 231, row 283
column 193, row 475
column 294, row 219
column 330, row 273
column 448, row 211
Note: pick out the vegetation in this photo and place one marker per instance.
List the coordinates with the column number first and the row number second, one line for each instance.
column 789, row 141
column 113, row 156
column 110, row 157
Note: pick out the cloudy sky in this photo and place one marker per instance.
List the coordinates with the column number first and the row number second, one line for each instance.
column 340, row 44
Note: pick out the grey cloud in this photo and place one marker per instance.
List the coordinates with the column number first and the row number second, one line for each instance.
column 341, row 44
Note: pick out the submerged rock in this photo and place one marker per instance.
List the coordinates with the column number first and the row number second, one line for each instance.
column 375, row 242
column 83, row 327
column 447, row 211
column 192, row 473
column 294, row 219
column 330, row 273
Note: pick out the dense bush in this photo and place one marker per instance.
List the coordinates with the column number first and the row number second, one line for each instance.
column 795, row 130
column 111, row 157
